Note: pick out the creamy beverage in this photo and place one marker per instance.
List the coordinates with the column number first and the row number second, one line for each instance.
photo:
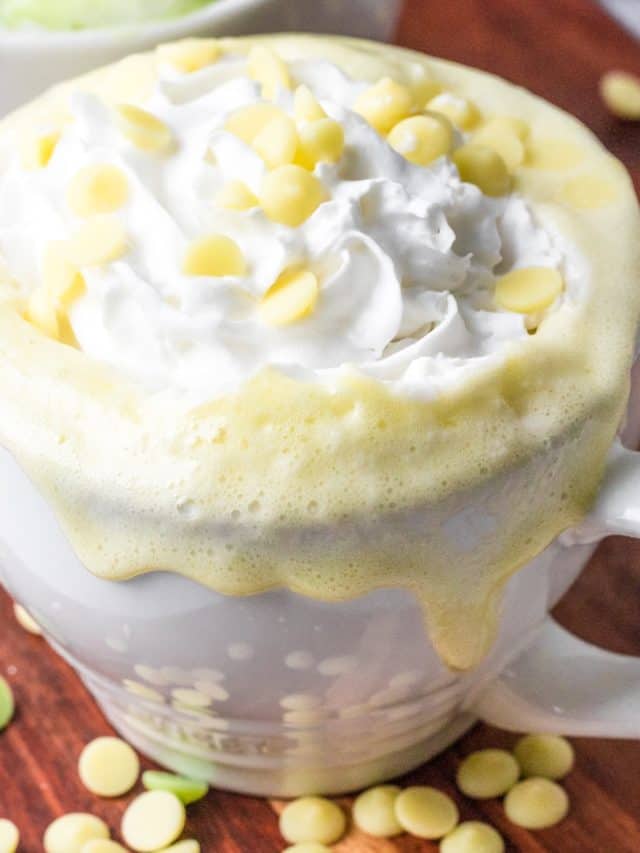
column 267, row 305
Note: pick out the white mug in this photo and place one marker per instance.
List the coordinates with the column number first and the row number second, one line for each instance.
column 275, row 694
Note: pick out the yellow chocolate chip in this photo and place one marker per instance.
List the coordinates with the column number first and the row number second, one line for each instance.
column 306, row 106
column 69, row 833
column 267, row 69
column 587, row 192
column 215, row 255
column 42, row 312
column 502, row 139
column 462, row 112
column 108, row 767
column 9, row 836
column 547, row 756
column 293, row 297
column 374, row 812
column 487, row 773
column 553, row 155
column 426, row 812
column 290, row 194
column 481, row 166
column 472, row 836
column 189, row 55
column 422, row 139
column 320, row 141
column 103, row 845
column 277, row 142
column 101, row 188
column 385, row 104
column 101, row 240
column 528, row 290
column 620, row 92
column 248, row 122
column 424, row 89
column 152, row 821
column 26, row 621
column 310, row 847
column 236, row 196
column 61, row 279
column 312, row 819
column 143, row 129
column 536, row 804
column 512, row 124
column 38, row 150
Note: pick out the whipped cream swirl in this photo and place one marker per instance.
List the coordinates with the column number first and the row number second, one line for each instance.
column 407, row 256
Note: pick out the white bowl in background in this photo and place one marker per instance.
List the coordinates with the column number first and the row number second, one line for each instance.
column 33, row 60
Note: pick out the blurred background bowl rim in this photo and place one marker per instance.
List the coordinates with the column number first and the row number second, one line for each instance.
column 216, row 11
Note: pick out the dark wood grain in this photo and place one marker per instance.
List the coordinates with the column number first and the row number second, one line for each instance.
column 559, row 49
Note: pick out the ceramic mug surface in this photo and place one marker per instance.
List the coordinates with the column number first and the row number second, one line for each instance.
column 282, row 695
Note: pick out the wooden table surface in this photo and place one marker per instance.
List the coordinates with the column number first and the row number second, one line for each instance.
column 559, row 49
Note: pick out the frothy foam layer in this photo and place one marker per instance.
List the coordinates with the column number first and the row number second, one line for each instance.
column 329, row 489
column 405, row 257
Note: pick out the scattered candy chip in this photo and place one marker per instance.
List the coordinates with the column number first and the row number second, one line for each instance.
column 277, row 142
column 374, row 812
column 511, row 124
column 62, row 282
column 143, row 691
column 236, row 196
column 290, row 194
column 9, row 836
column 306, row 106
column 528, row 290
column 547, row 756
column 191, row 698
column 101, row 240
column 100, row 188
column 293, row 297
column 143, row 129
column 38, row 150
column 536, row 804
column 312, row 819
column 185, row 789
column 320, row 141
column 152, row 821
column 108, row 767
column 189, row 55
column 215, row 255
column 309, row 847
column 426, row 812
column 248, row 122
column 487, row 773
column 481, row 166
column 103, row 845
column 504, row 141
column 422, row 139
column 267, row 69
column 472, row 836
column 620, row 92
column 7, row 704
column 70, row 833
column 385, row 104
column 26, row 621
column 462, row 112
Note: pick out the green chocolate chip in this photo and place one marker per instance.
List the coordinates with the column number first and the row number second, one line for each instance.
column 186, row 790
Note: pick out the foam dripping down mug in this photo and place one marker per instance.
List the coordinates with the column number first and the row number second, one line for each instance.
column 310, row 350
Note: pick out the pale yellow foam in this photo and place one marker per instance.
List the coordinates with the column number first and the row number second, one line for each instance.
column 364, row 489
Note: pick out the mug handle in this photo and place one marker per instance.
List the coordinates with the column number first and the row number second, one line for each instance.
column 560, row 684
